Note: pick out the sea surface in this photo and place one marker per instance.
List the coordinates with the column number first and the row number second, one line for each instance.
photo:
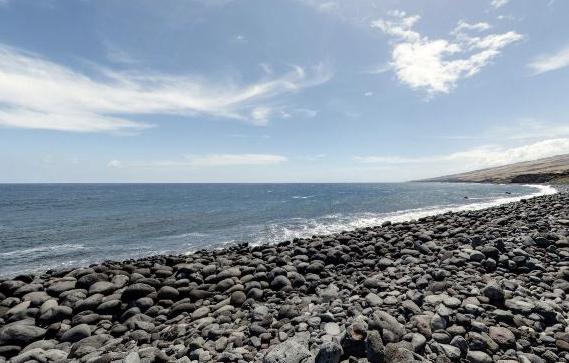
column 46, row 226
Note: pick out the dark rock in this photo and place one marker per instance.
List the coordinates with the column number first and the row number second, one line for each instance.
column 76, row 333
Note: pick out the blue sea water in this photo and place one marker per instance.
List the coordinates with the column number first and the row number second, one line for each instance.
column 45, row 226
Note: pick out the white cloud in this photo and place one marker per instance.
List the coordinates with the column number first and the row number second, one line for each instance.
column 478, row 157
column 462, row 26
column 40, row 94
column 216, row 160
column 436, row 65
column 496, row 4
column 550, row 62
column 240, row 38
column 261, row 114
column 358, row 13
column 368, row 94
column 114, row 164
column 236, row 159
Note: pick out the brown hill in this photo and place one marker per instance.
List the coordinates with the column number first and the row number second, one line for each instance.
column 553, row 170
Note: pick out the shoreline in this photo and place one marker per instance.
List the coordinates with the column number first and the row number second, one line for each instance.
column 476, row 285
column 363, row 221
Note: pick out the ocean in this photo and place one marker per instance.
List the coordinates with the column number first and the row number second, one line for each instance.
column 50, row 226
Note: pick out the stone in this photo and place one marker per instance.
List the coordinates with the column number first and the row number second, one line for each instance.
column 398, row 353
column 494, row 292
column 478, row 357
column 289, row 351
column 373, row 299
column 76, row 333
column 329, row 352
column 375, row 350
column 132, row 357
column 237, row 298
column 200, row 313
column 332, row 328
column 102, row 287
column 20, row 334
column 393, row 330
column 280, row 282
column 136, row 291
column 503, row 336
column 168, row 293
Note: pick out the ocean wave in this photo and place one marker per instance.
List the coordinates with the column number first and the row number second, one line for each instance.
column 335, row 223
column 182, row 236
column 54, row 249
column 303, row 196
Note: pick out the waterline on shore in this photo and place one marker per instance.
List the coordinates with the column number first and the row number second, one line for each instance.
column 335, row 223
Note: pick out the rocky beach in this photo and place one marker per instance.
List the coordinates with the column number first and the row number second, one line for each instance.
column 474, row 286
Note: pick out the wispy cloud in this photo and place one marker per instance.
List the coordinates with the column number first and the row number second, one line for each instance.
column 478, row 157
column 436, row 65
column 40, row 94
column 207, row 160
column 550, row 62
column 114, row 164
column 496, row 4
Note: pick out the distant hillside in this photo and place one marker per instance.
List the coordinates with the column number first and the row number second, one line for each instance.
column 554, row 170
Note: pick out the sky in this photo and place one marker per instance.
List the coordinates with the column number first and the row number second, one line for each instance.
column 278, row 91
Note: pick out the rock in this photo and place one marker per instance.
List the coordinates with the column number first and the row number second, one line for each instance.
column 136, row 291
column 373, row 300
column 353, row 341
column 280, row 282
column 289, row 351
column 102, row 287
column 329, row 352
column 503, row 336
column 57, row 288
column 452, row 352
column 519, row 305
column 20, row 334
column 76, row 333
column 168, row 293
column 56, row 313
column 398, row 353
column 375, row 350
column 328, row 294
column 393, row 331
column 332, row 328
column 478, row 357
column 132, row 357
column 288, row 312
column 494, row 292
column 237, row 298
column 200, row 313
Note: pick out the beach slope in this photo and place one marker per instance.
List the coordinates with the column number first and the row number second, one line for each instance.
column 479, row 286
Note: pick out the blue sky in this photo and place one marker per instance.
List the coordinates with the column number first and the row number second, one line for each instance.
column 284, row 91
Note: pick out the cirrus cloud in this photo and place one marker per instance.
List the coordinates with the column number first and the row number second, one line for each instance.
column 40, row 94
column 550, row 62
column 477, row 157
column 207, row 160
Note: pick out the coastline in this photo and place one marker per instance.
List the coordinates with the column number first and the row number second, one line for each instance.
column 82, row 249
column 478, row 285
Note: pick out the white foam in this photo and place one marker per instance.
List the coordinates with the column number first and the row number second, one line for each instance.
column 303, row 196
column 335, row 223
column 44, row 249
